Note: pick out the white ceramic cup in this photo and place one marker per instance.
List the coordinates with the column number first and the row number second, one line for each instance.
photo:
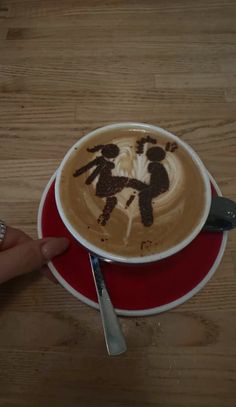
column 106, row 255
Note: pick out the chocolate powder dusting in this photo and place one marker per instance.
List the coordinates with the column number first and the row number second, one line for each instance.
column 108, row 208
column 95, row 148
column 156, row 154
column 130, row 200
column 142, row 244
column 108, row 150
column 108, row 185
column 159, row 183
column 168, row 146
column 171, row 146
column 145, row 244
column 142, row 141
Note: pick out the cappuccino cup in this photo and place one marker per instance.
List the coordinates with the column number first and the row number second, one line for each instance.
column 132, row 193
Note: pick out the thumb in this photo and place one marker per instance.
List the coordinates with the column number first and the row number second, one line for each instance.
column 30, row 256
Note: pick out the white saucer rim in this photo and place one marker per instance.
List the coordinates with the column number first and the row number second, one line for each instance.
column 133, row 313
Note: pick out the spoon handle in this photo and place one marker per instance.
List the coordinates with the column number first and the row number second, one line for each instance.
column 222, row 215
column 114, row 338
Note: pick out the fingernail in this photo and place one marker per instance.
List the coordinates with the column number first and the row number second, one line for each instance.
column 54, row 246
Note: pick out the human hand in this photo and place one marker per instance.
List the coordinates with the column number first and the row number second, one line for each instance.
column 19, row 254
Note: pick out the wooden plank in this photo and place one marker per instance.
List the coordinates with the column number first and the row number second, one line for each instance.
column 3, row 32
column 191, row 81
column 230, row 95
column 142, row 110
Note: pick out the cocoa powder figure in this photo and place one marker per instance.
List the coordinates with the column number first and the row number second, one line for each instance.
column 108, row 185
column 159, row 183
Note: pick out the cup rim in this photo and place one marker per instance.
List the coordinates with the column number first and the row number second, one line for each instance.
column 111, row 257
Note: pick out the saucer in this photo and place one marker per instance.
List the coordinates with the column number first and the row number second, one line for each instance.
column 134, row 290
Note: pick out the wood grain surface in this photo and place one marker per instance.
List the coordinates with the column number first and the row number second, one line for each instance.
column 67, row 67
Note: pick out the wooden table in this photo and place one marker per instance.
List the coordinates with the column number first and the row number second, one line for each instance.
column 67, row 67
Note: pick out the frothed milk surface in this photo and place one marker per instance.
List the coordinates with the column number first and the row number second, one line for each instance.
column 132, row 192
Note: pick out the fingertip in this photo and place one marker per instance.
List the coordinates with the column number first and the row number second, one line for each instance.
column 54, row 246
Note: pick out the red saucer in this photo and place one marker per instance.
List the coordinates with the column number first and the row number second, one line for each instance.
column 134, row 290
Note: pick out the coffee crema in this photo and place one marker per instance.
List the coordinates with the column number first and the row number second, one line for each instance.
column 132, row 192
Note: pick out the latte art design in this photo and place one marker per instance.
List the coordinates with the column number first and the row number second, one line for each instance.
column 131, row 193
column 137, row 177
